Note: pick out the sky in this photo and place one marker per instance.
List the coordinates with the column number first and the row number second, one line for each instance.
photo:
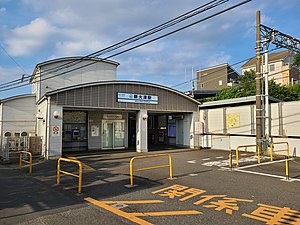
column 34, row 31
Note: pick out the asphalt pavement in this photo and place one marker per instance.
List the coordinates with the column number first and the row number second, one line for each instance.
column 203, row 190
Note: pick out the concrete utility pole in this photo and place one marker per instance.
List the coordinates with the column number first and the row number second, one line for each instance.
column 258, row 85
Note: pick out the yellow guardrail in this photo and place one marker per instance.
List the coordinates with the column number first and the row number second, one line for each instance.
column 250, row 154
column 22, row 160
column 79, row 175
column 287, row 150
column 149, row 168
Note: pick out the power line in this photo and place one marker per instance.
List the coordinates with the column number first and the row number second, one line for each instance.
column 142, row 44
column 1, row 46
column 232, row 65
column 135, row 38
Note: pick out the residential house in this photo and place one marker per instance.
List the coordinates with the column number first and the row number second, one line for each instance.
column 216, row 77
column 280, row 68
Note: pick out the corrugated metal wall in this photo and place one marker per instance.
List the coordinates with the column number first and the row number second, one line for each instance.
column 104, row 96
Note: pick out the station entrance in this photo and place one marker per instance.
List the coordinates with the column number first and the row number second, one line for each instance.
column 118, row 115
column 113, row 135
column 164, row 130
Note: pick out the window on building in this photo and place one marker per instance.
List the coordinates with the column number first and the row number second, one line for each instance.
column 220, row 82
column 17, row 134
column 24, row 134
column 202, row 85
column 272, row 67
column 7, row 134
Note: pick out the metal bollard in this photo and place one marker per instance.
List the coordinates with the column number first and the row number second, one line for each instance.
column 230, row 160
column 287, row 168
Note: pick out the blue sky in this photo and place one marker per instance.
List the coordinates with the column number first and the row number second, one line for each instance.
column 33, row 31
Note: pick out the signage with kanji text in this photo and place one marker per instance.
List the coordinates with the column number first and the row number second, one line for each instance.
column 137, row 98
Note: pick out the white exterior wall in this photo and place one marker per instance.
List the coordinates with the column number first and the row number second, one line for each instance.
column 215, row 122
column 18, row 115
column 289, row 124
column 54, row 145
column 275, row 117
column 98, row 71
column 42, row 122
column 245, row 120
column 291, row 118
column 188, row 130
column 141, row 131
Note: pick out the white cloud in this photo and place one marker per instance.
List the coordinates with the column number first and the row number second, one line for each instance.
column 27, row 39
column 76, row 27
column 217, row 59
column 69, row 48
column 2, row 11
column 12, row 73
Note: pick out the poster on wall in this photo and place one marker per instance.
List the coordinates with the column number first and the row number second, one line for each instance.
column 233, row 120
column 55, row 130
column 94, row 131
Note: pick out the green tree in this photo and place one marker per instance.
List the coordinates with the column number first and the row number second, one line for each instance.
column 296, row 88
column 282, row 92
column 247, row 87
column 297, row 60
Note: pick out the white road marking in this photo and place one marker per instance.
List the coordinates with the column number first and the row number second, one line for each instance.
column 225, row 162
column 103, row 169
column 265, row 163
column 192, row 161
column 219, row 163
column 206, row 159
column 220, row 157
column 266, row 174
column 193, row 174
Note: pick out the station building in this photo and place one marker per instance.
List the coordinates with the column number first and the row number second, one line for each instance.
column 80, row 105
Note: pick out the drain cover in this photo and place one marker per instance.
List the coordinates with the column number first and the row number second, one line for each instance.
column 119, row 205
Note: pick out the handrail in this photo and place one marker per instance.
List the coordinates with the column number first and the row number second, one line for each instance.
column 149, row 168
column 245, row 146
column 278, row 143
column 22, row 160
column 59, row 171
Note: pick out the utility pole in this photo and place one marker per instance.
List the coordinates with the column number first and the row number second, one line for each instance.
column 258, row 85
column 264, row 37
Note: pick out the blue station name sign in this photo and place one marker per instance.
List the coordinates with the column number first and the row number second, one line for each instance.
column 137, row 98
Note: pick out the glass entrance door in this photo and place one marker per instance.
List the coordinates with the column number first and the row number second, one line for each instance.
column 107, row 138
column 113, row 134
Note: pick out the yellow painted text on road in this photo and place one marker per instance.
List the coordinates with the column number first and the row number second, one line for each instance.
column 134, row 217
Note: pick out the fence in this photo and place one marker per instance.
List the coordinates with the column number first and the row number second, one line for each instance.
column 11, row 145
column 150, row 168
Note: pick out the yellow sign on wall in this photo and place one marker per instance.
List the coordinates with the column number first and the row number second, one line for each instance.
column 233, row 120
